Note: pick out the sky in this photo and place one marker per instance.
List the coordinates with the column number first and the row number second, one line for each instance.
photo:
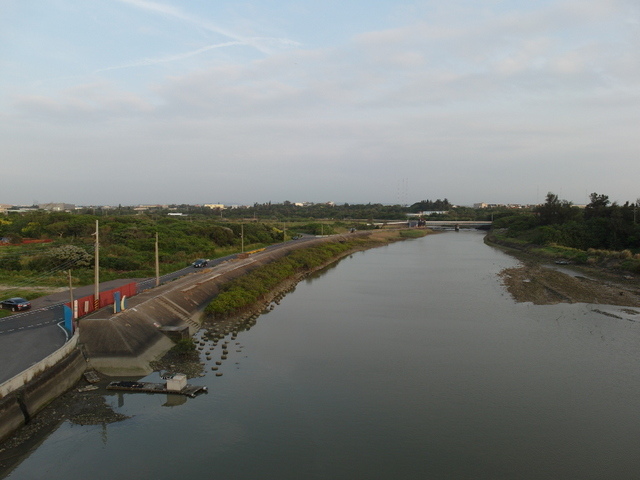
column 107, row 102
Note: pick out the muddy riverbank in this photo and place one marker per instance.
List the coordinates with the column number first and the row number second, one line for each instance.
column 540, row 281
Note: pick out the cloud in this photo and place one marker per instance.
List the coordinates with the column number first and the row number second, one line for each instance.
column 480, row 107
column 100, row 100
column 264, row 45
column 170, row 58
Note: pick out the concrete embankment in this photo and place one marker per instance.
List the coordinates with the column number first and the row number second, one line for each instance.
column 18, row 407
column 125, row 343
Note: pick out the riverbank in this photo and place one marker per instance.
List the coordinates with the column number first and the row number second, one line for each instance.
column 541, row 281
column 220, row 331
column 83, row 407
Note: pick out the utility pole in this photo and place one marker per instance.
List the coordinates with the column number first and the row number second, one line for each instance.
column 157, row 262
column 242, row 237
column 96, row 291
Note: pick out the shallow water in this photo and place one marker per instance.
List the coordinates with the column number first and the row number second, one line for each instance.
column 406, row 361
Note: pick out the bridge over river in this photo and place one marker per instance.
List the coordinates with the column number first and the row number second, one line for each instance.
column 442, row 223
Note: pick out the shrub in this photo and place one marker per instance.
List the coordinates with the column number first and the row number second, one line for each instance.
column 246, row 290
column 184, row 346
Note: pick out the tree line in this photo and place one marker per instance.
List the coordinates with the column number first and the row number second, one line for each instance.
column 601, row 224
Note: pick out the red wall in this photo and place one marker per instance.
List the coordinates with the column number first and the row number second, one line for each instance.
column 86, row 306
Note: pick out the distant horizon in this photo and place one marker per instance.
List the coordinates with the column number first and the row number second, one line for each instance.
column 250, row 204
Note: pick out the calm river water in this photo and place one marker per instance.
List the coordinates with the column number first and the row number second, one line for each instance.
column 404, row 362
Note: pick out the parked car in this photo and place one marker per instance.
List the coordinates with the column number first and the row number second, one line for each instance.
column 15, row 304
column 201, row 262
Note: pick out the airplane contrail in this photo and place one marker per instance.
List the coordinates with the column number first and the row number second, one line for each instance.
column 170, row 11
column 169, row 58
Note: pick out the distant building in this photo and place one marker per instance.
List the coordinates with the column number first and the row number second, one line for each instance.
column 515, row 206
column 143, row 208
column 57, row 207
column 22, row 208
column 215, row 206
column 427, row 213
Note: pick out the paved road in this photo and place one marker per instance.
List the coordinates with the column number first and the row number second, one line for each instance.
column 28, row 337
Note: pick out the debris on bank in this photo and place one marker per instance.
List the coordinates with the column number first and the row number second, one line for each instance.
column 176, row 385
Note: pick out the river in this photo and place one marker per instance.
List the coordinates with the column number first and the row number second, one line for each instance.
column 408, row 361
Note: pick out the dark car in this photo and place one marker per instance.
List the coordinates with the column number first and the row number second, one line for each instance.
column 200, row 263
column 15, row 304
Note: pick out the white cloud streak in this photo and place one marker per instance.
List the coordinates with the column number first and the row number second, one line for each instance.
column 170, row 58
column 259, row 44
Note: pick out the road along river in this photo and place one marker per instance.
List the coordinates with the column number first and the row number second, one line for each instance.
column 407, row 361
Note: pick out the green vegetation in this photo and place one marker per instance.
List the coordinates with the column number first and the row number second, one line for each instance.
column 250, row 288
column 286, row 212
column 127, row 246
column 602, row 233
column 413, row 233
column 184, row 347
column 127, row 238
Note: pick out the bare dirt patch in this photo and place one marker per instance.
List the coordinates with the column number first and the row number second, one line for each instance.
column 546, row 286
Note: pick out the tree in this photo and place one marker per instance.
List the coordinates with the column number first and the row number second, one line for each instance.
column 555, row 211
column 598, row 207
column 68, row 256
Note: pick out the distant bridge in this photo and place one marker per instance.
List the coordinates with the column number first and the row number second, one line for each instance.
column 442, row 223
column 460, row 223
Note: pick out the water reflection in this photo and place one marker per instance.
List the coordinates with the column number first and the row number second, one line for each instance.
column 407, row 361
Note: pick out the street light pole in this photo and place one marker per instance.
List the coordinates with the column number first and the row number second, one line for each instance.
column 157, row 262
column 71, row 296
column 96, row 290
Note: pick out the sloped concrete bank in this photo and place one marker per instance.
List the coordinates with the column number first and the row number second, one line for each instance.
column 126, row 343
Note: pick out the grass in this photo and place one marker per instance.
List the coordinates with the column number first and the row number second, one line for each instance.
column 413, row 233
column 28, row 293
column 245, row 291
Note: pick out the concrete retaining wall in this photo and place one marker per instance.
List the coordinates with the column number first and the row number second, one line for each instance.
column 19, row 406
column 11, row 416
column 52, row 383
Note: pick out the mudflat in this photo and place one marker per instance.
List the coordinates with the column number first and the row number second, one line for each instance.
column 545, row 285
